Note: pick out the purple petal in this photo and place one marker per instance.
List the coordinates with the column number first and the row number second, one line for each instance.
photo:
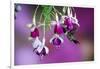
column 43, row 52
column 35, row 33
column 67, row 21
column 58, row 29
column 56, row 41
column 70, row 22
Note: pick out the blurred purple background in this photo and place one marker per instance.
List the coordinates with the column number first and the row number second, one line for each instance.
column 68, row 52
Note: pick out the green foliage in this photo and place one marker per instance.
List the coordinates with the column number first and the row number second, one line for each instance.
column 46, row 10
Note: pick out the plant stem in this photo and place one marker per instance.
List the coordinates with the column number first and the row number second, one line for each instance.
column 57, row 19
column 40, row 17
column 57, row 11
column 44, row 34
column 34, row 16
column 74, row 12
column 53, row 15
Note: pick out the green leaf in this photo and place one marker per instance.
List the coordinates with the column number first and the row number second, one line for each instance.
column 46, row 10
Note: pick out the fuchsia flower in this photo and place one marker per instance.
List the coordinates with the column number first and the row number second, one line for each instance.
column 34, row 32
column 70, row 22
column 58, row 30
column 71, row 26
column 56, row 40
column 44, row 51
column 40, row 48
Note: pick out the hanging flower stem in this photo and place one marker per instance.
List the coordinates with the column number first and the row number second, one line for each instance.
column 34, row 16
column 57, row 11
column 40, row 17
column 44, row 33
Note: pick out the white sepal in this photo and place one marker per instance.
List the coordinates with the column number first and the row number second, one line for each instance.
column 32, row 29
column 52, row 39
column 53, row 22
column 36, row 43
column 61, row 39
column 47, row 50
column 29, row 25
column 40, row 48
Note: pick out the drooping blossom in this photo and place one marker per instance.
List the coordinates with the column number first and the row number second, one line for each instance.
column 58, row 30
column 44, row 51
column 70, row 26
column 39, row 47
column 56, row 40
column 70, row 22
